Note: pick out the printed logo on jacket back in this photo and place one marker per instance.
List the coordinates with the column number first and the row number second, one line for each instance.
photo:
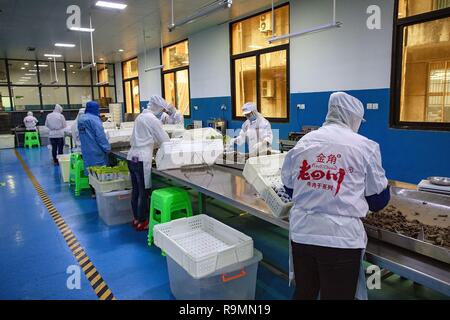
column 322, row 174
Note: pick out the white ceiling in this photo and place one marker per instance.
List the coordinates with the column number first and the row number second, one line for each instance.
column 41, row 23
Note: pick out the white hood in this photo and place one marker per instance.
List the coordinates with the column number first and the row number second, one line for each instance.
column 346, row 110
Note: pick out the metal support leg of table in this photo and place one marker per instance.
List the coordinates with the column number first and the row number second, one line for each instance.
column 201, row 203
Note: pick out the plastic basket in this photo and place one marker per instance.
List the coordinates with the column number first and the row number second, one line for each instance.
column 6, row 141
column 202, row 245
column 109, row 186
column 263, row 173
column 115, row 207
column 64, row 165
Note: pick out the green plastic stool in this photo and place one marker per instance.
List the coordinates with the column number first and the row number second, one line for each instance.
column 77, row 176
column 166, row 205
column 31, row 139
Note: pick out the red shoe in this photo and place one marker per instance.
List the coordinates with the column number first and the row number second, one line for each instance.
column 135, row 223
column 142, row 226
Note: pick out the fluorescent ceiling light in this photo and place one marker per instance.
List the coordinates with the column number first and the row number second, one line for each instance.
column 23, row 68
column 71, row 65
column 42, row 65
column 26, row 63
column 30, row 74
column 204, row 11
column 65, row 45
column 32, row 70
column 111, row 5
column 82, row 29
column 25, row 78
column 120, row 50
column 52, row 55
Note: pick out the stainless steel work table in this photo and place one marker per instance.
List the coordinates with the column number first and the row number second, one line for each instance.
column 229, row 186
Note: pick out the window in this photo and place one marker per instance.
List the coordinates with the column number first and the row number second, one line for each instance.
column 260, row 69
column 175, row 76
column 33, row 85
column 421, row 77
column 131, row 86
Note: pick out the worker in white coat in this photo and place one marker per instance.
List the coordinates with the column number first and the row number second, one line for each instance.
column 30, row 121
column 256, row 131
column 172, row 115
column 158, row 104
column 56, row 123
column 75, row 132
column 148, row 134
column 334, row 176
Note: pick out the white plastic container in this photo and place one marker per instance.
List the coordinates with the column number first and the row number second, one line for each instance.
column 235, row 282
column 263, row 173
column 115, row 207
column 109, row 186
column 7, row 141
column 64, row 166
column 202, row 245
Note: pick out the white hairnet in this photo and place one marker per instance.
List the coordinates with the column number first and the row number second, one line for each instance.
column 29, row 113
column 156, row 104
column 58, row 108
column 248, row 108
column 346, row 110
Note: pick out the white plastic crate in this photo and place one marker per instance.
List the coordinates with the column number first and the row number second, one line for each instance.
column 202, row 134
column 115, row 207
column 6, row 141
column 116, row 136
column 127, row 125
column 64, row 166
column 109, row 186
column 202, row 245
column 263, row 173
column 109, row 125
column 235, row 282
column 180, row 153
column 174, row 130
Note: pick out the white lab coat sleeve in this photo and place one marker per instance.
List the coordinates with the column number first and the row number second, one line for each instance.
column 287, row 171
column 158, row 133
column 179, row 118
column 240, row 140
column 63, row 122
column 376, row 180
column 266, row 133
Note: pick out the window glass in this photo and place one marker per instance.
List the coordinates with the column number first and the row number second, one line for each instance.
column 104, row 95
column 52, row 96
column 79, row 96
column 176, row 56
column 5, row 103
column 273, row 84
column 425, row 91
column 47, row 73
column 78, row 76
column 3, row 76
column 26, row 98
column 252, row 34
column 407, row 8
column 183, row 92
column 245, row 82
column 130, row 69
column 105, row 74
column 169, row 88
column 24, row 72
column 135, row 92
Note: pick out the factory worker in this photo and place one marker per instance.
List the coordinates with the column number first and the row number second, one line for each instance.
column 56, row 123
column 256, row 131
column 172, row 115
column 94, row 144
column 30, row 122
column 336, row 176
column 75, row 132
column 148, row 134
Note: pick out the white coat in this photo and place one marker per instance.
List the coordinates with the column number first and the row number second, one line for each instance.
column 331, row 171
column 147, row 133
column 75, row 132
column 56, row 123
column 175, row 118
column 30, row 122
column 258, row 135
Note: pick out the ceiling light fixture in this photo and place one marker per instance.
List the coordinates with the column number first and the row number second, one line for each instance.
column 26, row 63
column 204, row 11
column 52, row 55
column 82, row 29
column 30, row 74
column 23, row 68
column 111, row 5
column 42, row 65
column 32, row 70
column 65, row 45
column 120, row 50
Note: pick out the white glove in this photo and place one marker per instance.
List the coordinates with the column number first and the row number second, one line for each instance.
column 230, row 145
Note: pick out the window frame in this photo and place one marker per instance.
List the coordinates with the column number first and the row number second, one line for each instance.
column 131, row 81
column 396, row 69
column 39, row 85
column 174, row 71
column 257, row 54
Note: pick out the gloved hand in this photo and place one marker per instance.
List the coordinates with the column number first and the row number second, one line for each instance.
column 230, row 145
column 260, row 149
